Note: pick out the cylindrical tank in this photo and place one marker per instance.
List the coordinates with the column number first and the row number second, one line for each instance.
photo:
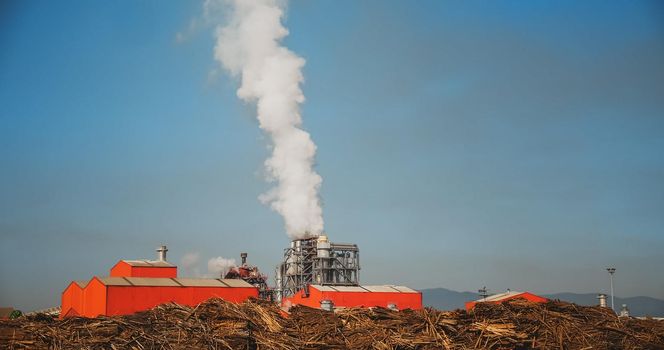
column 323, row 247
column 291, row 268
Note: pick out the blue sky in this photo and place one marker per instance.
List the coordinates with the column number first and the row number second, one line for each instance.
column 510, row 144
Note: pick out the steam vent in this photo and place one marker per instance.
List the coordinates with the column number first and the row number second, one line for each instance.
column 318, row 273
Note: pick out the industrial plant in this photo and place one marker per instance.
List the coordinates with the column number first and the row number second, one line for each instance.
column 317, row 261
column 137, row 285
column 314, row 272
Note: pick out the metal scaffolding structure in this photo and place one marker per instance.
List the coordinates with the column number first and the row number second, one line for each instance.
column 317, row 261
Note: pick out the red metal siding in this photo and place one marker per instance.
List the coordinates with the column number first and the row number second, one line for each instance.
column 166, row 272
column 357, row 299
column 71, row 300
column 94, row 299
column 122, row 269
column 124, row 300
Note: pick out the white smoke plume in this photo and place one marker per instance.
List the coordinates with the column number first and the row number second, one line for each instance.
column 218, row 267
column 189, row 263
column 249, row 47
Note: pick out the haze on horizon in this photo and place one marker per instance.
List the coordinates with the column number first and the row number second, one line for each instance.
column 462, row 144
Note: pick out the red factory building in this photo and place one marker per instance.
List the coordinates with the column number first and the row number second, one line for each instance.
column 503, row 297
column 387, row 296
column 137, row 285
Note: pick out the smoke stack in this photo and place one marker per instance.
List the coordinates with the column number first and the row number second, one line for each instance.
column 161, row 253
column 243, row 256
column 602, row 300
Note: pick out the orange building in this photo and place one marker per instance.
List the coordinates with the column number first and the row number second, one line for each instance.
column 72, row 299
column 137, row 285
column 397, row 297
column 126, row 295
column 503, row 297
column 144, row 268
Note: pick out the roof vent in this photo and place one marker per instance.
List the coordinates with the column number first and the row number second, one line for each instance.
column 161, row 253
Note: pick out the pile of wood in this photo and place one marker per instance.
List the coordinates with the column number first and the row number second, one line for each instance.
column 255, row 324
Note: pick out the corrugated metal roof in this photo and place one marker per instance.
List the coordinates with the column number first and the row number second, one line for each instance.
column 148, row 263
column 173, row 282
column 373, row 289
column 200, row 282
column 152, row 282
column 500, row 296
column 323, row 288
column 114, row 281
column 142, row 263
column 236, row 283
column 404, row 289
column 383, row 289
column 350, row 289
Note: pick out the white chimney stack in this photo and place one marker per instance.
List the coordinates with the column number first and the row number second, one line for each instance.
column 602, row 300
column 161, row 253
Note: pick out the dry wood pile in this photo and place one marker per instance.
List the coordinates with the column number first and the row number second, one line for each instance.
column 216, row 324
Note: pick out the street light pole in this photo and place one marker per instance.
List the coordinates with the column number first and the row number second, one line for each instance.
column 611, row 271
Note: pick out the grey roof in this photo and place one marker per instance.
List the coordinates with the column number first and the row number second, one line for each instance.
column 500, row 296
column 152, row 282
column 148, row 263
column 114, row 281
column 349, row 289
column 236, row 283
column 384, row 289
column 365, row 289
column 324, row 288
column 404, row 289
column 173, row 282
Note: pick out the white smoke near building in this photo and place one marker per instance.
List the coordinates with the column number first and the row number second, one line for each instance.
column 248, row 47
column 189, row 263
column 218, row 267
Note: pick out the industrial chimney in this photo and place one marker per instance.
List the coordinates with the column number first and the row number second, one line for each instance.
column 161, row 253
column 602, row 300
column 243, row 256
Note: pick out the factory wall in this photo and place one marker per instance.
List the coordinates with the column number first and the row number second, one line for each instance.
column 357, row 299
column 100, row 298
column 72, row 300
column 124, row 300
column 123, row 269
column 94, row 299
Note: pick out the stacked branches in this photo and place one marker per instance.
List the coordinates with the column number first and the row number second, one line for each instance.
column 217, row 324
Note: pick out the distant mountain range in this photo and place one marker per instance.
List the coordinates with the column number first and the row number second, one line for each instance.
column 446, row 299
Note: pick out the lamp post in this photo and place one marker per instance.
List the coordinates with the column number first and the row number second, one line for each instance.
column 483, row 292
column 611, row 271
